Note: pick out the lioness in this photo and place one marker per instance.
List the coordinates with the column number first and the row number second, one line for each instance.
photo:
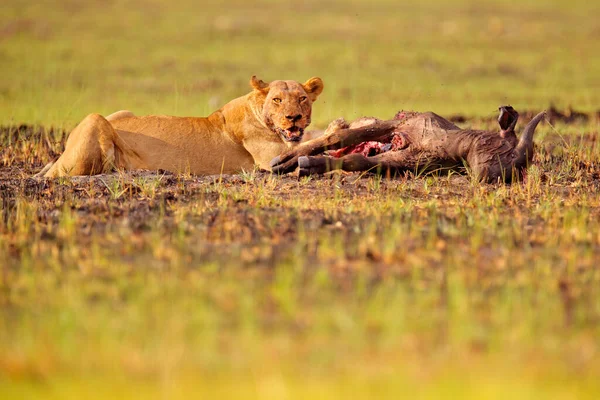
column 249, row 130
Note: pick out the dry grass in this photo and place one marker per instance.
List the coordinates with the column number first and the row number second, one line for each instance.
column 255, row 286
column 348, row 284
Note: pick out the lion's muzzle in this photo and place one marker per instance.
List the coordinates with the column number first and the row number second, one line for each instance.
column 293, row 134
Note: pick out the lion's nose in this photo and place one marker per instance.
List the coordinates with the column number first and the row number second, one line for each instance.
column 293, row 118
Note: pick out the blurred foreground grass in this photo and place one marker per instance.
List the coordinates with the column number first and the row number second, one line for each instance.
column 253, row 286
column 258, row 286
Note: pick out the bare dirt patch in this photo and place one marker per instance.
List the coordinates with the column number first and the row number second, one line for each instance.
column 257, row 216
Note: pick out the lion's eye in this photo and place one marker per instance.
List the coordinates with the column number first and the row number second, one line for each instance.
column 302, row 99
column 276, row 100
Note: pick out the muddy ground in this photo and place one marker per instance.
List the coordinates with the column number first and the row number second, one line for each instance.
column 247, row 210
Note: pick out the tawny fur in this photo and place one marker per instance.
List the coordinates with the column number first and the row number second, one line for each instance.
column 247, row 131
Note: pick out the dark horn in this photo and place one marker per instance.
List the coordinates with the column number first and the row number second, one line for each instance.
column 524, row 149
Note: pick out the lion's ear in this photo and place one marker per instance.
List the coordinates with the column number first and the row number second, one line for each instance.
column 258, row 84
column 313, row 87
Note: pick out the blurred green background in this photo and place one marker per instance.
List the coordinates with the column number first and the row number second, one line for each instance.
column 60, row 60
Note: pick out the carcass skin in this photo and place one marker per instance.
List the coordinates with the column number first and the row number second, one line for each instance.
column 429, row 143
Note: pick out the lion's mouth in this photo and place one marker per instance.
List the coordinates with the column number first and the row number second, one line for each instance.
column 293, row 134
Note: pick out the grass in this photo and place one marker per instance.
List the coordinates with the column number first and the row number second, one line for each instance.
column 61, row 62
column 254, row 286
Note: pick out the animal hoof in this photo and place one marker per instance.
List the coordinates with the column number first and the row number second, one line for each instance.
column 304, row 162
column 275, row 161
column 313, row 165
column 305, row 167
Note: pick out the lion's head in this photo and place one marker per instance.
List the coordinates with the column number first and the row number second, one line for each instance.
column 287, row 105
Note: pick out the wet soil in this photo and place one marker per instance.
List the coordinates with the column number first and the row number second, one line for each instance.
column 255, row 216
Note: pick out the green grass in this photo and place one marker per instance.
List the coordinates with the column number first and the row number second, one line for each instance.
column 256, row 286
column 61, row 62
column 241, row 286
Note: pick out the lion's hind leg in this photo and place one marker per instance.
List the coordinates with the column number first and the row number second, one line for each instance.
column 90, row 149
